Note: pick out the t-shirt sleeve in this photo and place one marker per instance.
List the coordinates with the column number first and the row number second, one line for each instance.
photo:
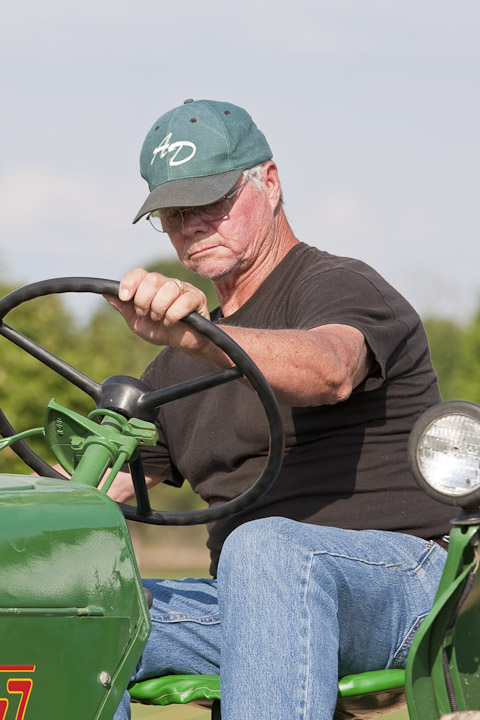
column 368, row 303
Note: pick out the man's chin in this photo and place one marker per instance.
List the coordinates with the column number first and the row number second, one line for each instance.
column 212, row 269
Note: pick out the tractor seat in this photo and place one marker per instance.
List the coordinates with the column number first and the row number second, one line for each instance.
column 366, row 695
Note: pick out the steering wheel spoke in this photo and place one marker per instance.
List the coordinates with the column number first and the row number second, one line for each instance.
column 55, row 363
column 156, row 398
column 141, row 492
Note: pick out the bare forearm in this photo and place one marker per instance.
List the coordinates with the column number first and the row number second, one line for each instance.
column 304, row 367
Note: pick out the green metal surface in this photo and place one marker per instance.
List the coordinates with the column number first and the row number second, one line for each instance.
column 85, row 447
column 6, row 442
column 370, row 682
column 72, row 607
column 438, row 640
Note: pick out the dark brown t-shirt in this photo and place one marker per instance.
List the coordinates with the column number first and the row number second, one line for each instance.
column 345, row 465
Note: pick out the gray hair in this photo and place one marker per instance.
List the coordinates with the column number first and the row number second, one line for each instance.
column 255, row 174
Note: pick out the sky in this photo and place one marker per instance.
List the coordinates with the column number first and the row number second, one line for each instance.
column 371, row 108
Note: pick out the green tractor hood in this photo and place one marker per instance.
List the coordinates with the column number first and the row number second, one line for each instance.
column 73, row 615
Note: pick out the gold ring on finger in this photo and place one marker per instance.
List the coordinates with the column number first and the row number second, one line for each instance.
column 179, row 284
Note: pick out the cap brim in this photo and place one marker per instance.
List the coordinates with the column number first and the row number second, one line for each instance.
column 189, row 192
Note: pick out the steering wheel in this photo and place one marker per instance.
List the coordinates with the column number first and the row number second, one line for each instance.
column 134, row 398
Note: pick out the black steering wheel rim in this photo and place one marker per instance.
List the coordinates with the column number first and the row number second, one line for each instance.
column 243, row 366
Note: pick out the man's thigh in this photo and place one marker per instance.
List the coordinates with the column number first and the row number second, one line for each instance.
column 362, row 593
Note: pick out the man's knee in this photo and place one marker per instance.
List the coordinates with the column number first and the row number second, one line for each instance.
column 259, row 548
column 253, row 537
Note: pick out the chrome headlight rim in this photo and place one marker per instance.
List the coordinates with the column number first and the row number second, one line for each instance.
column 468, row 499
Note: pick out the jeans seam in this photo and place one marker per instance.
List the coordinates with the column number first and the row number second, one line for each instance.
column 307, row 648
column 401, row 652
column 357, row 559
column 185, row 618
column 430, row 548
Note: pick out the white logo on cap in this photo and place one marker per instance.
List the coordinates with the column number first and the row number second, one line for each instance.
column 175, row 147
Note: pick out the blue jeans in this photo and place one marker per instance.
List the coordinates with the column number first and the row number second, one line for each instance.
column 296, row 606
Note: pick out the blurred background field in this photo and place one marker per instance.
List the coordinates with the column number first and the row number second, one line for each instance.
column 186, row 713
column 172, row 712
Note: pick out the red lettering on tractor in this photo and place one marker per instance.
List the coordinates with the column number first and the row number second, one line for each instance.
column 17, row 686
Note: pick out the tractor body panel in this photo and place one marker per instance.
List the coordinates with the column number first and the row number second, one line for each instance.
column 442, row 672
column 73, row 617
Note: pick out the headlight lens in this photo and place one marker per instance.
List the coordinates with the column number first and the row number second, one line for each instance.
column 445, row 453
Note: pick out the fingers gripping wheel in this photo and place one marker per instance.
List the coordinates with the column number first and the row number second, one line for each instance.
column 135, row 399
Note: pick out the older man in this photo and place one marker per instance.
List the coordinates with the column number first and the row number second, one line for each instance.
column 332, row 571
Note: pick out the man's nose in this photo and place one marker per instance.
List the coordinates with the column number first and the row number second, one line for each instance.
column 192, row 222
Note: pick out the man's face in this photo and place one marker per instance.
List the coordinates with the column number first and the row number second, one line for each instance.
column 220, row 249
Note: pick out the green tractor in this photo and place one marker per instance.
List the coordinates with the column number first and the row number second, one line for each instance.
column 73, row 612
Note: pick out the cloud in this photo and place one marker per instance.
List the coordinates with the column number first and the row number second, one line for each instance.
column 61, row 222
column 38, row 199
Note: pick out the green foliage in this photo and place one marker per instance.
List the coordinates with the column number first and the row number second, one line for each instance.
column 446, row 346
column 26, row 385
column 469, row 381
column 455, row 350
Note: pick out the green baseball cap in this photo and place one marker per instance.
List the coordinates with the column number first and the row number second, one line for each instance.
column 195, row 153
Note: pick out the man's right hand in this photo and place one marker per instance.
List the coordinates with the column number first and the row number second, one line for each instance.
column 153, row 306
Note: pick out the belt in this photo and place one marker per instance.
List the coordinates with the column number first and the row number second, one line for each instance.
column 440, row 541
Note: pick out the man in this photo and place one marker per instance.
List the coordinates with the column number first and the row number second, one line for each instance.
column 332, row 571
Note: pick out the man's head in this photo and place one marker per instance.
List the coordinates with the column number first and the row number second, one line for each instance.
column 196, row 153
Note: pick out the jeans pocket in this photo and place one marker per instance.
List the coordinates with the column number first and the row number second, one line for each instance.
column 400, row 657
column 189, row 600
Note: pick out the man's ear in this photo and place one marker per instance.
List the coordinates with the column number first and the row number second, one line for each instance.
column 271, row 182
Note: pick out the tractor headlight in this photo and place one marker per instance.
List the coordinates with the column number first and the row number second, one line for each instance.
column 444, row 453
